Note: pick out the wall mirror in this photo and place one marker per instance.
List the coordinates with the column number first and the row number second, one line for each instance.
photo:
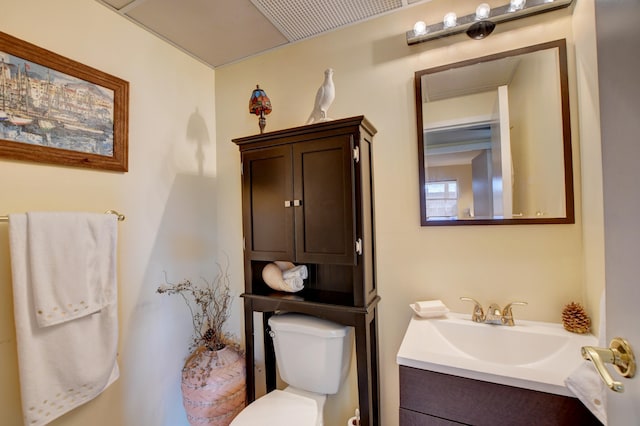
column 494, row 139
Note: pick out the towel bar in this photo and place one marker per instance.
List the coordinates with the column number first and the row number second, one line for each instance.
column 121, row 217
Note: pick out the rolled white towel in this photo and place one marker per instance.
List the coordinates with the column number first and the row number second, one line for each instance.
column 299, row 271
column 284, row 276
column 293, row 284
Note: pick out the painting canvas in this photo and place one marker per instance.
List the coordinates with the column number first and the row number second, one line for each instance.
column 55, row 110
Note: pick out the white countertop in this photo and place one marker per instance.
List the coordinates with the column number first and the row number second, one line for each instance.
column 553, row 355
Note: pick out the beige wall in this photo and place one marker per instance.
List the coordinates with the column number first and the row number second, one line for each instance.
column 590, row 185
column 179, row 219
column 168, row 196
column 543, row 265
column 537, row 143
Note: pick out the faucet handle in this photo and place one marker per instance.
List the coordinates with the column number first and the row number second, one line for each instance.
column 507, row 314
column 478, row 313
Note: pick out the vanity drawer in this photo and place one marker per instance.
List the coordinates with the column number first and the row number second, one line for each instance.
column 475, row 402
column 411, row 418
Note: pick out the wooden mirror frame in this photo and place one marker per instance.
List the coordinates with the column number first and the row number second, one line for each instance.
column 566, row 137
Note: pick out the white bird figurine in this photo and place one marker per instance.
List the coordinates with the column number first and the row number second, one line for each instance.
column 324, row 98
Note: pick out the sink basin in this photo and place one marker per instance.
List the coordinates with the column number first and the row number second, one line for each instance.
column 533, row 355
column 518, row 345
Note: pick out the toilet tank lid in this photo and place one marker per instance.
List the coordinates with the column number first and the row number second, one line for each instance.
column 307, row 324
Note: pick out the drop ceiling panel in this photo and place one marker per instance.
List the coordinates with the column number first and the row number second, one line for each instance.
column 119, row 4
column 300, row 19
column 217, row 31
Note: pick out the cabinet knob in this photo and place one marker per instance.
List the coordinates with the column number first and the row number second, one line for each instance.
column 295, row 203
column 359, row 246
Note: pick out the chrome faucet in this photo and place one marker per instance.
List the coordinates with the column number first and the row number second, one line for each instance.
column 494, row 314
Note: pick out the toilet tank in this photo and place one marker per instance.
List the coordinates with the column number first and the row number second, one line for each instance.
column 312, row 354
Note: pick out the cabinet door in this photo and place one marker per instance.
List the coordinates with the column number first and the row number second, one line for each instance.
column 266, row 186
column 323, row 186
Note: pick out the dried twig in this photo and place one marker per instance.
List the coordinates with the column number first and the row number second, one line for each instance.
column 210, row 307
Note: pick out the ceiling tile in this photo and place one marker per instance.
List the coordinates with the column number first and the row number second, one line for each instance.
column 217, row 31
column 118, row 4
column 300, row 19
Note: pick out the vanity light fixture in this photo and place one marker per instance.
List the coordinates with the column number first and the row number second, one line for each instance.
column 516, row 5
column 420, row 28
column 480, row 24
column 450, row 20
column 482, row 11
column 482, row 27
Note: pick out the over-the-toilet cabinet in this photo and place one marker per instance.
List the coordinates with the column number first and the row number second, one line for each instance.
column 307, row 196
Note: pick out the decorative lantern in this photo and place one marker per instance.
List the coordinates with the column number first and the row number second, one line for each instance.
column 260, row 105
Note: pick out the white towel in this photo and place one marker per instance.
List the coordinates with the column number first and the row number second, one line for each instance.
column 294, row 278
column 430, row 306
column 585, row 382
column 72, row 264
column 284, row 276
column 65, row 359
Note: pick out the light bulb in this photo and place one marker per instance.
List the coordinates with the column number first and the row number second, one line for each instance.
column 420, row 28
column 482, row 11
column 516, row 5
column 450, row 20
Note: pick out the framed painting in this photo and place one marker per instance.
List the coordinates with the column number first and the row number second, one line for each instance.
column 59, row 111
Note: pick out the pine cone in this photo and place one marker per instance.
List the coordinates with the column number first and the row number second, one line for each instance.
column 209, row 335
column 575, row 318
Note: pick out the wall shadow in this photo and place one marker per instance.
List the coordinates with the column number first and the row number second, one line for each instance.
column 160, row 327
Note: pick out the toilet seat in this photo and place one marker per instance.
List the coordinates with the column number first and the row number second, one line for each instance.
column 279, row 408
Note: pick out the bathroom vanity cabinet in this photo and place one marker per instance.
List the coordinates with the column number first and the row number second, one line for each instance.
column 431, row 398
column 307, row 198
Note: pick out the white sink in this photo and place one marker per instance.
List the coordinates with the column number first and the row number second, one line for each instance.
column 533, row 355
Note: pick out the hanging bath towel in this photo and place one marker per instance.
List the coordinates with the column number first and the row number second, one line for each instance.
column 65, row 308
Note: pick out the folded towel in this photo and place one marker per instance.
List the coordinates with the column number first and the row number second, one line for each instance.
column 585, row 382
column 72, row 264
column 63, row 363
column 430, row 306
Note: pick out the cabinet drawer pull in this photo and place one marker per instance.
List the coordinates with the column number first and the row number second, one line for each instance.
column 287, row 203
column 297, row 203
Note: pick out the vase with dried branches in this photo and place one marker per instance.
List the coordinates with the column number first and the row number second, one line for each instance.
column 213, row 376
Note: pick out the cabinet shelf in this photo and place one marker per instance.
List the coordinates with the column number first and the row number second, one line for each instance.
column 307, row 296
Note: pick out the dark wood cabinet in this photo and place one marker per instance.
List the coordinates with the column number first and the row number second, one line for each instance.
column 307, row 195
column 300, row 202
column 430, row 398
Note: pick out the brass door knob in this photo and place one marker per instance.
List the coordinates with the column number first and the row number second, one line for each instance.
column 620, row 354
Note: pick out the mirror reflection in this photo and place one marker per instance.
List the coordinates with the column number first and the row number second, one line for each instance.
column 494, row 139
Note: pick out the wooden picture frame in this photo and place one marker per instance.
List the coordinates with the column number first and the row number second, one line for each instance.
column 56, row 110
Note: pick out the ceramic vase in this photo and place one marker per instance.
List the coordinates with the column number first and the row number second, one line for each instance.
column 214, row 386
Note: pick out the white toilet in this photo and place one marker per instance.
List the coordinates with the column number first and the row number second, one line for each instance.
column 313, row 357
